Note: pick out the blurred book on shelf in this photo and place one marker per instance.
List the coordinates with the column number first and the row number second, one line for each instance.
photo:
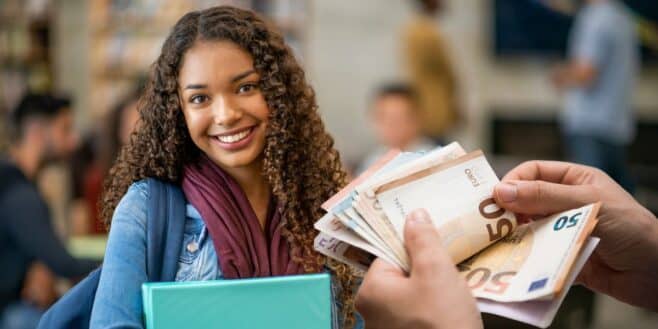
column 126, row 37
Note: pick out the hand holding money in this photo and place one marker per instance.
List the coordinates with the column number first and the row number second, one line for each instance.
column 625, row 264
column 426, row 298
column 519, row 272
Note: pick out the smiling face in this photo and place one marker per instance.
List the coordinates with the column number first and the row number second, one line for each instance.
column 225, row 111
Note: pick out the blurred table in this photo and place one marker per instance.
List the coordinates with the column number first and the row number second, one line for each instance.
column 89, row 247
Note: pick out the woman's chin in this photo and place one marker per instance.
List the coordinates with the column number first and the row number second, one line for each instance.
column 241, row 159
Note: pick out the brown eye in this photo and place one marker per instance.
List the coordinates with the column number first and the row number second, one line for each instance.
column 198, row 99
column 245, row 88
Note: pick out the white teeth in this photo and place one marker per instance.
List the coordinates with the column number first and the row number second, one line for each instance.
column 234, row 138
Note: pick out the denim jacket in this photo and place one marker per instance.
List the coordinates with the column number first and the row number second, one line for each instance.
column 118, row 301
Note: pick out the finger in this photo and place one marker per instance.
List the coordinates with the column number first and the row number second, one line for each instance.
column 423, row 244
column 542, row 198
column 550, row 171
column 375, row 290
column 382, row 267
column 379, row 273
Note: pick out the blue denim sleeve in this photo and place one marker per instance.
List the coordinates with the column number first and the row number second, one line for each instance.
column 118, row 301
column 337, row 305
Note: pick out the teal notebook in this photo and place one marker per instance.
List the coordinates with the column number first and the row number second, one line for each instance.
column 291, row 302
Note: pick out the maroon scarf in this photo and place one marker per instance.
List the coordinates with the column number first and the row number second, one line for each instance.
column 244, row 250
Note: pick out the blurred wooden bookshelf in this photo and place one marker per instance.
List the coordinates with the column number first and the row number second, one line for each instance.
column 25, row 52
column 126, row 37
column 25, row 61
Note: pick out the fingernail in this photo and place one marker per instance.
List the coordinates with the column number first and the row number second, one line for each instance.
column 506, row 192
column 419, row 216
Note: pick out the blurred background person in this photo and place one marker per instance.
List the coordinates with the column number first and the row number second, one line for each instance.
column 93, row 159
column 122, row 121
column 603, row 58
column 395, row 118
column 431, row 71
column 597, row 122
column 85, row 176
column 41, row 131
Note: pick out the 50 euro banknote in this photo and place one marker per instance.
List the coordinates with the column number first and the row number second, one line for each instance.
column 346, row 223
column 534, row 261
column 518, row 271
column 458, row 196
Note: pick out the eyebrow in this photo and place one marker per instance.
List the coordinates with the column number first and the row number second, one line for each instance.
column 234, row 79
column 242, row 75
column 196, row 86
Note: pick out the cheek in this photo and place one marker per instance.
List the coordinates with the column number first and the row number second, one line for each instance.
column 258, row 108
column 57, row 141
column 196, row 129
column 195, row 124
column 58, row 136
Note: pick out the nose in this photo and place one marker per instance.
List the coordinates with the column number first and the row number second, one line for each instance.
column 225, row 113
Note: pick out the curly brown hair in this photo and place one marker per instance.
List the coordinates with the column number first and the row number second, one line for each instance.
column 300, row 162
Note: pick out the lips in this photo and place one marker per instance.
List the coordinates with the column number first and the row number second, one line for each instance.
column 236, row 139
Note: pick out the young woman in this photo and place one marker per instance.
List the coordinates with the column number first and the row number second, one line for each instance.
column 229, row 116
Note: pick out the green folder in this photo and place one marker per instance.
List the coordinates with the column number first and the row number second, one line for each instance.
column 291, row 302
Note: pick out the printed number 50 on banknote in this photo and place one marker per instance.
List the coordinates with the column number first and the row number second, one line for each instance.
column 458, row 196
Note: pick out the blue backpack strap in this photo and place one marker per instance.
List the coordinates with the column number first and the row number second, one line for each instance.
column 73, row 310
column 164, row 230
column 165, row 227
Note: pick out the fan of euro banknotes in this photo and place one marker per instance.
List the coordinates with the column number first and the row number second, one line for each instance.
column 518, row 271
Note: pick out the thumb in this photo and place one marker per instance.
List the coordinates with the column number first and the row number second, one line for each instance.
column 423, row 244
column 542, row 198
